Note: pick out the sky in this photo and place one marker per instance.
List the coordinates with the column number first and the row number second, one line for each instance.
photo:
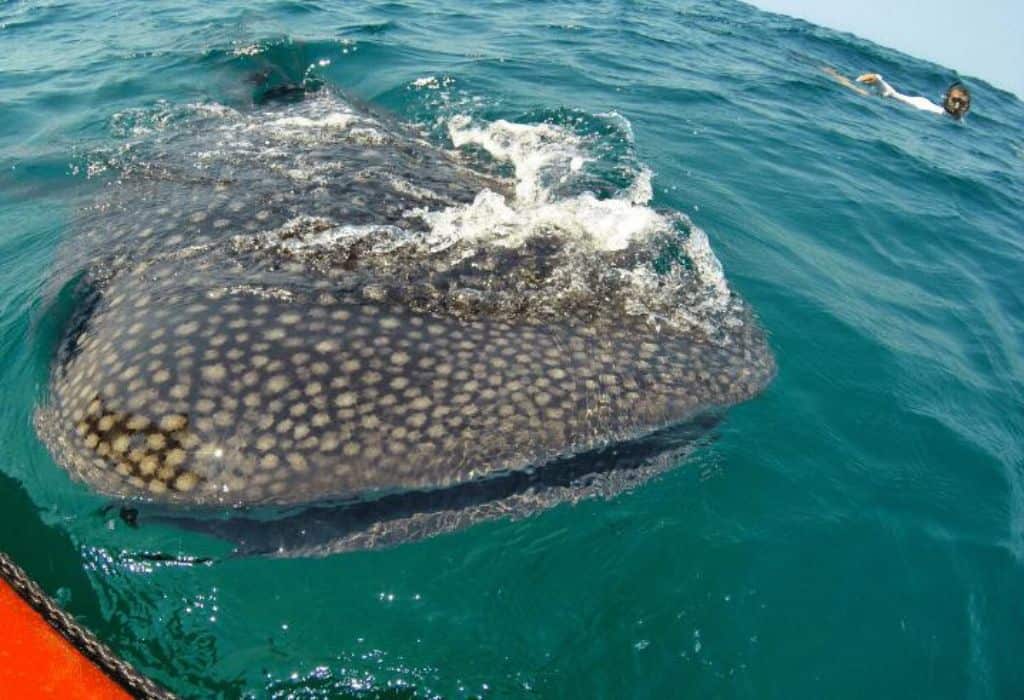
column 981, row 38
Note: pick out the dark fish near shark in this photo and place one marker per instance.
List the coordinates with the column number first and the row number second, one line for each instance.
column 311, row 306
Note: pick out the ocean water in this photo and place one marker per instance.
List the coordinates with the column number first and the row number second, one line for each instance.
column 857, row 530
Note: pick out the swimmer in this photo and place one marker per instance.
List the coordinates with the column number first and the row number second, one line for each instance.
column 956, row 102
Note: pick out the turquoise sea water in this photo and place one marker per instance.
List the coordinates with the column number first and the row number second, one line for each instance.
column 856, row 531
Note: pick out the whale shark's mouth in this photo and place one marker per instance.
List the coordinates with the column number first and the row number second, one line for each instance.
column 404, row 516
column 310, row 301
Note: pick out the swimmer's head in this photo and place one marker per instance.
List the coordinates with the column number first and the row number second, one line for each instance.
column 957, row 100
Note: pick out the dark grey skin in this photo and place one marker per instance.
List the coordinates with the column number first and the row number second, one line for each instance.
column 269, row 324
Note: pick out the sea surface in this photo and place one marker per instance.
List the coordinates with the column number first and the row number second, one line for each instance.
column 855, row 531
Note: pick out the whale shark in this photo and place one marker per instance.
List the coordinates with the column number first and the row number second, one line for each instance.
column 312, row 317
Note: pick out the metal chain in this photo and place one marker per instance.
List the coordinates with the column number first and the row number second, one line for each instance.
column 82, row 639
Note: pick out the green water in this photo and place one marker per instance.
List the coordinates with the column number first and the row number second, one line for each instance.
column 856, row 531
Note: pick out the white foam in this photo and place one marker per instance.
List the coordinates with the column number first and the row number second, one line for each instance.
column 432, row 82
column 336, row 121
column 540, row 152
column 330, row 237
column 303, row 234
column 404, row 186
column 705, row 262
column 310, row 121
column 546, row 155
column 608, row 224
column 642, row 189
column 248, row 50
column 212, row 109
column 543, row 155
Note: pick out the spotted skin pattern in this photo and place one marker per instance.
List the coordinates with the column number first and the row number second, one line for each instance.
column 230, row 356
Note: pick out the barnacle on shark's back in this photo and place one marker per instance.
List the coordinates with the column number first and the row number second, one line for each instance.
column 276, row 324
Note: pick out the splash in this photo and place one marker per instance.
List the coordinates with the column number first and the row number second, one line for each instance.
column 547, row 158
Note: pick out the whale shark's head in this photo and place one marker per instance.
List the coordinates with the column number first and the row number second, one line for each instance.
column 308, row 303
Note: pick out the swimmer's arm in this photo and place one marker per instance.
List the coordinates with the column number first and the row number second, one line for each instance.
column 922, row 103
column 843, row 80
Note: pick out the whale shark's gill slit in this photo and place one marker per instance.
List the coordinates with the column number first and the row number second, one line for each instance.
column 333, row 527
column 64, row 316
column 309, row 302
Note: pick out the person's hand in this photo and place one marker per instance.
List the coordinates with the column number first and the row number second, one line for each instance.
column 869, row 78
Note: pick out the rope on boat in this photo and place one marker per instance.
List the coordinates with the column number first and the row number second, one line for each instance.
column 118, row 670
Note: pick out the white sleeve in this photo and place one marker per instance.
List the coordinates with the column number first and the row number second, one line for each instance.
column 887, row 90
column 922, row 103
